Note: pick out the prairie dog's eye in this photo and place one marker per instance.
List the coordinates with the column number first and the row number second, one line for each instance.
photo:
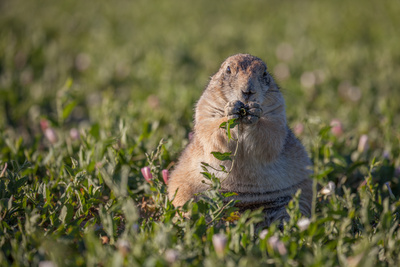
column 228, row 70
column 265, row 74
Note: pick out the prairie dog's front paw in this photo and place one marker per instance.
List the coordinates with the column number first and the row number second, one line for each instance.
column 254, row 109
column 233, row 109
column 253, row 113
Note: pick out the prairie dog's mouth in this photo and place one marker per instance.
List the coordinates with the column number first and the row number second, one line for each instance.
column 243, row 111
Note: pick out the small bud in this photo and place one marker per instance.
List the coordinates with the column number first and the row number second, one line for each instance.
column 123, row 247
column 303, row 223
column 98, row 165
column 277, row 245
column 336, row 127
column 171, row 255
column 165, row 175
column 51, row 135
column 44, row 124
column 219, row 242
column 74, row 134
column 329, row 189
column 147, row 174
column 363, row 144
column 298, row 129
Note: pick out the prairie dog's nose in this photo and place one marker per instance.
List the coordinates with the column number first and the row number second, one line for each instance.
column 248, row 87
column 248, row 90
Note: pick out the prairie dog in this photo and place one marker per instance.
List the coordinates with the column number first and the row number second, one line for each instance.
column 271, row 163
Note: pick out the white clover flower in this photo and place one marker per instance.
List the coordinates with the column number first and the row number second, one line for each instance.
column 219, row 241
column 51, row 135
column 329, row 189
column 277, row 245
column 303, row 223
column 123, row 246
column 363, row 145
column 74, row 134
column 263, row 234
column 47, row 264
column 171, row 255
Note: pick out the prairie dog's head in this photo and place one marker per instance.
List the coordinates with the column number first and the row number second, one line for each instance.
column 245, row 77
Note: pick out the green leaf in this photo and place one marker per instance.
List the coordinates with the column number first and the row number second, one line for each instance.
column 75, row 163
column 95, row 131
column 222, row 156
column 205, row 164
column 21, row 182
column 67, row 211
column 228, row 125
column 229, row 194
column 68, row 83
column 323, row 133
column 223, row 169
column 324, row 173
column 68, row 109
column 207, row 175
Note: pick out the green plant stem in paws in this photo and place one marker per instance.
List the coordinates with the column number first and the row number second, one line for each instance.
column 228, row 125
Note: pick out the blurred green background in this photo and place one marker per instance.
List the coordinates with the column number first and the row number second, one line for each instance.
column 147, row 62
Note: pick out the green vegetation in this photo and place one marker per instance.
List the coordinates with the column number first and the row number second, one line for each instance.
column 89, row 88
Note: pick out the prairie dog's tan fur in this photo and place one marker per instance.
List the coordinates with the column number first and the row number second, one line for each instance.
column 271, row 164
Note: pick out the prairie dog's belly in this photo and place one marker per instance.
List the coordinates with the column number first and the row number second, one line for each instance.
column 269, row 197
column 256, row 177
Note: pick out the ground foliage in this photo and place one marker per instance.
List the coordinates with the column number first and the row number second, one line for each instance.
column 88, row 90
